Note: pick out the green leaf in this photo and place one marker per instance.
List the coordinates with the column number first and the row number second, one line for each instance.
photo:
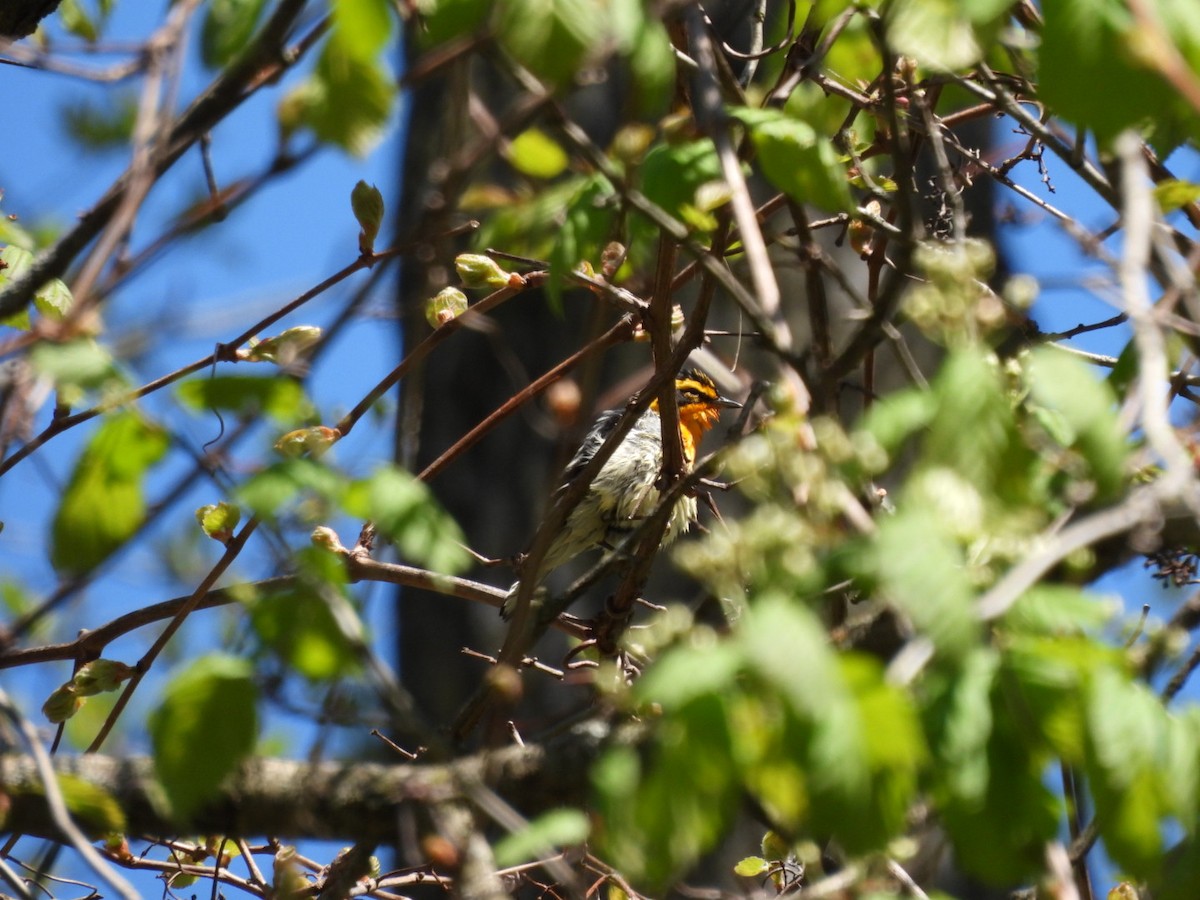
column 972, row 402
column 671, row 173
column 1066, row 386
column 944, row 34
column 299, row 627
column 652, row 66
column 685, row 673
column 102, row 506
column 1001, row 838
column 204, row 728
column 1173, row 194
column 101, row 124
column 278, row 397
column 405, row 511
column 923, row 570
column 1126, row 726
column 362, row 27
column 346, row 102
column 658, row 822
column 1096, row 67
column 785, row 645
column 897, row 417
column 542, row 836
column 798, row 161
column 77, row 367
column 536, row 154
column 751, row 867
column 588, row 226
column 1060, row 609
column 958, row 719
column 94, row 808
column 218, row 520
column 227, row 29
column 550, row 37
column 14, row 261
column 448, row 19
column 268, row 491
column 76, row 20
column 53, row 299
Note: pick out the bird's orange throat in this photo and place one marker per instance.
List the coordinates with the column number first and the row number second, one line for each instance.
column 694, row 421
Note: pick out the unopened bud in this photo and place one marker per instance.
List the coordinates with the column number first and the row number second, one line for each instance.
column 62, row 704
column 327, row 539
column 312, row 441
column 283, row 348
column 611, row 259
column 366, row 202
column 480, row 272
column 99, row 676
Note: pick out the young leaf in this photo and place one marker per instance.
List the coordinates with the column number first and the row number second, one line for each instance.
column 1064, row 385
column 268, row 491
column 218, row 520
column 550, row 37
column 346, row 102
column 536, row 154
column 798, row 161
column 102, row 505
column 279, row 398
column 362, row 27
column 404, row 510
column 206, row 725
column 586, row 229
column 556, row 828
column 300, row 628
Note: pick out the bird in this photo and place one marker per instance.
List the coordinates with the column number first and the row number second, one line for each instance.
column 625, row 490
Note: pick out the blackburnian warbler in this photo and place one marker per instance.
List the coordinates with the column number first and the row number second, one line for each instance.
column 624, row 491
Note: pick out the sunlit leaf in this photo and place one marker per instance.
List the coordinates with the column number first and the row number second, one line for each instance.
column 205, row 726
column 278, row 397
column 346, row 102
column 299, row 627
column 1066, row 386
column 550, row 37
column 103, row 506
column 405, row 511
column 536, row 154
column 798, row 161
column 362, row 27
column 268, row 491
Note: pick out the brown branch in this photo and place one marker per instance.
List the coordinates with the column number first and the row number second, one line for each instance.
column 293, row 799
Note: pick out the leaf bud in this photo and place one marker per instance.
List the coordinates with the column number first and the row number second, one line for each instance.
column 62, row 704
column 218, row 520
column 327, row 539
column 282, row 349
column 450, row 303
column 367, row 203
column 481, row 272
column 313, row 441
column 99, row 676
